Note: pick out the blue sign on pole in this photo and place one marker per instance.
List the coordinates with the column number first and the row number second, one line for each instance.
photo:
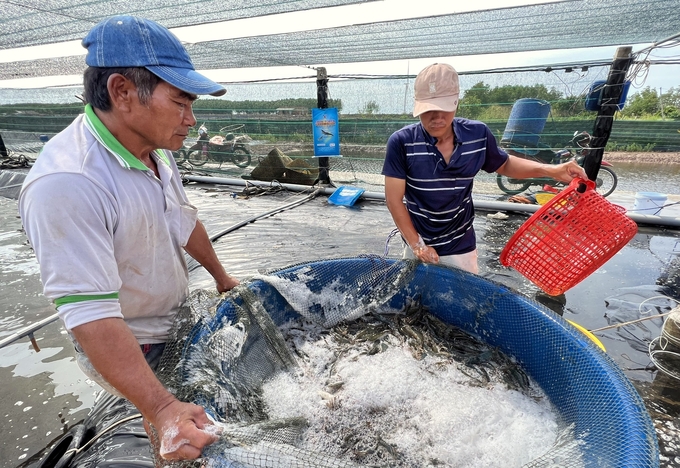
column 326, row 132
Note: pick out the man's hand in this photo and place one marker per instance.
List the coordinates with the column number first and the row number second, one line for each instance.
column 226, row 283
column 424, row 252
column 183, row 431
column 427, row 255
column 565, row 172
column 201, row 249
column 394, row 195
column 183, row 428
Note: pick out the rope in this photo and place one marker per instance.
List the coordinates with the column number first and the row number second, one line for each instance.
column 14, row 161
column 394, row 232
column 667, row 345
column 623, row 324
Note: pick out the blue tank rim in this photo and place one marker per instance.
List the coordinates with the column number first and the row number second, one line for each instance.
column 619, row 407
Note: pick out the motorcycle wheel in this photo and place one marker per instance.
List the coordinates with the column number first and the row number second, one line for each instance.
column 197, row 157
column 180, row 156
column 241, row 156
column 606, row 181
column 512, row 186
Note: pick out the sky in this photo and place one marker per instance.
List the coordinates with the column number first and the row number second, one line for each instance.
column 659, row 76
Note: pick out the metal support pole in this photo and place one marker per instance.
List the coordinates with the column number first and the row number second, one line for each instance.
column 611, row 94
column 322, row 103
column 28, row 331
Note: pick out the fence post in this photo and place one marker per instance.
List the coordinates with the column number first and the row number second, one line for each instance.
column 322, row 103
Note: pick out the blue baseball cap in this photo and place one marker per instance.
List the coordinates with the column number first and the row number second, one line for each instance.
column 128, row 41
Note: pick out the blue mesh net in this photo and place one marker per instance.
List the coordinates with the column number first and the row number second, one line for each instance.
column 598, row 409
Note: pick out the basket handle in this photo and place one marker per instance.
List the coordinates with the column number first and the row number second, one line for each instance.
column 581, row 185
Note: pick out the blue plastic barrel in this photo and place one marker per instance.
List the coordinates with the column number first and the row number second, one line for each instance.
column 526, row 122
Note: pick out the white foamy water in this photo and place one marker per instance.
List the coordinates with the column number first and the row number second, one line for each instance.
column 426, row 412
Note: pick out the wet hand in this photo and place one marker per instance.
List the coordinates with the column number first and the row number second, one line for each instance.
column 184, row 431
column 426, row 254
column 226, row 284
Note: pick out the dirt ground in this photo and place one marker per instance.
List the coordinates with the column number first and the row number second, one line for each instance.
column 652, row 158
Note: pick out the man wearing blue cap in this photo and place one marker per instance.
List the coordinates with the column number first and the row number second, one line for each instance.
column 105, row 210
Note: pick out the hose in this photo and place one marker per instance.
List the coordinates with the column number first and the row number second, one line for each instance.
column 288, row 206
column 109, row 428
column 28, row 331
column 194, row 264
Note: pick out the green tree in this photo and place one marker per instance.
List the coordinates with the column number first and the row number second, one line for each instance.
column 471, row 104
column 479, row 91
column 669, row 103
column 261, row 106
column 370, row 108
column 642, row 104
column 485, row 103
column 507, row 95
column 470, row 107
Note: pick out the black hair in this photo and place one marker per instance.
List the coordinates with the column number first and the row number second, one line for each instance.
column 95, row 81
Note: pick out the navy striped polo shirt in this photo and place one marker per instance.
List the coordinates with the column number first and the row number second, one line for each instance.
column 439, row 195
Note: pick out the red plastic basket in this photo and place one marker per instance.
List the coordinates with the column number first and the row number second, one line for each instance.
column 568, row 238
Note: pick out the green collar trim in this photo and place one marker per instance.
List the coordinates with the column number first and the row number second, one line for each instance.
column 162, row 156
column 106, row 138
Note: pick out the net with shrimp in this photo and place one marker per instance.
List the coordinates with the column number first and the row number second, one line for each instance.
column 369, row 362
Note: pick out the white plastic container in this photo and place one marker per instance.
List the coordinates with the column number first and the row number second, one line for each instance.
column 649, row 203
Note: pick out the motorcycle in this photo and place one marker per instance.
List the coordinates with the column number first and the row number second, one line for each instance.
column 606, row 180
column 229, row 148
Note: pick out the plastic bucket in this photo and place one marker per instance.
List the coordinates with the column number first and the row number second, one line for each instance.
column 649, row 203
column 526, row 122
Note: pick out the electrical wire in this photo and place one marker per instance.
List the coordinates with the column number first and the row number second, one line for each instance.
column 640, row 67
column 639, row 72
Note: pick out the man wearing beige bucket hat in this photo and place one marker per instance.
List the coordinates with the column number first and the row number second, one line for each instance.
column 430, row 167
